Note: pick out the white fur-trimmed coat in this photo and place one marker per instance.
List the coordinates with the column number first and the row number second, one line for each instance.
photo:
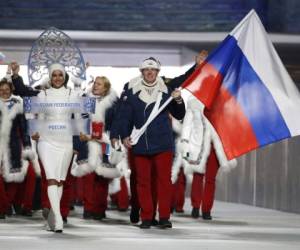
column 197, row 136
column 94, row 160
column 12, row 173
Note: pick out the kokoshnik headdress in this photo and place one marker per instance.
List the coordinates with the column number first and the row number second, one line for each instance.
column 54, row 46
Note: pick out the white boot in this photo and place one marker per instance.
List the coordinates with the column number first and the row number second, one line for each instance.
column 50, row 221
column 53, row 195
column 60, row 192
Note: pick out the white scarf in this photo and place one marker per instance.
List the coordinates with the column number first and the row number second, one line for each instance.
column 148, row 94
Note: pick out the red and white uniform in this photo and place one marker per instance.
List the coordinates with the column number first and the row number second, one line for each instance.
column 94, row 172
column 15, row 146
column 203, row 154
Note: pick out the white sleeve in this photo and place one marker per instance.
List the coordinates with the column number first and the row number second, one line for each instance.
column 187, row 125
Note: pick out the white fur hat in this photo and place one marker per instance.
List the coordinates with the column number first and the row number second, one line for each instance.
column 151, row 63
column 56, row 66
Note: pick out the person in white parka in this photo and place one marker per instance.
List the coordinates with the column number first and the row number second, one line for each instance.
column 55, row 152
column 204, row 155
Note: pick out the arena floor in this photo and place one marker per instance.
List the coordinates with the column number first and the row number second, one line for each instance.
column 234, row 226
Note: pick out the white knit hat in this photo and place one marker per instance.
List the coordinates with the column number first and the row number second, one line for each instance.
column 151, row 63
column 57, row 66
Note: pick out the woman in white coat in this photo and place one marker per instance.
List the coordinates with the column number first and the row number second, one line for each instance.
column 55, row 152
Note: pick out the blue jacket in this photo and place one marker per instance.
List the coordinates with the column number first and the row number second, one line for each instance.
column 133, row 112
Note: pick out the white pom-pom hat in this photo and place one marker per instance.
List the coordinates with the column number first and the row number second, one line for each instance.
column 151, row 63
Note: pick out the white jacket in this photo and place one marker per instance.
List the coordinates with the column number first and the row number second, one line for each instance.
column 179, row 162
column 198, row 135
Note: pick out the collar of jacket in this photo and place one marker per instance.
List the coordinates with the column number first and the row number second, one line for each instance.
column 136, row 84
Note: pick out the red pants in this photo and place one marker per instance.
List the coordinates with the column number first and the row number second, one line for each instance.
column 95, row 193
column 78, row 190
column 25, row 195
column 22, row 193
column 3, row 198
column 12, row 189
column 178, row 195
column 67, row 195
column 100, row 194
column 206, row 195
column 121, row 198
column 134, row 201
column 158, row 168
column 88, row 182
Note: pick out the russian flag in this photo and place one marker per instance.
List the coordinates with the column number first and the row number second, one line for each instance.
column 250, row 99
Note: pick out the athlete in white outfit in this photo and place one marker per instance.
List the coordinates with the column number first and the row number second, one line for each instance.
column 55, row 152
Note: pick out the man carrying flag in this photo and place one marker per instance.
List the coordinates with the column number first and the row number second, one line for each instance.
column 142, row 100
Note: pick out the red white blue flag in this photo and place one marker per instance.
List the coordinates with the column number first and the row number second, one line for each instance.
column 250, row 99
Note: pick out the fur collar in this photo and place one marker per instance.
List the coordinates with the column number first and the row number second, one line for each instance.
column 136, row 84
column 102, row 104
column 17, row 106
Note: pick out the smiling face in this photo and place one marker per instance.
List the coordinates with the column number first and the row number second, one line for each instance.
column 5, row 91
column 149, row 75
column 100, row 87
column 57, row 79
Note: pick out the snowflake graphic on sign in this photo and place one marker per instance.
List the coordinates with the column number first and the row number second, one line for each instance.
column 90, row 105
